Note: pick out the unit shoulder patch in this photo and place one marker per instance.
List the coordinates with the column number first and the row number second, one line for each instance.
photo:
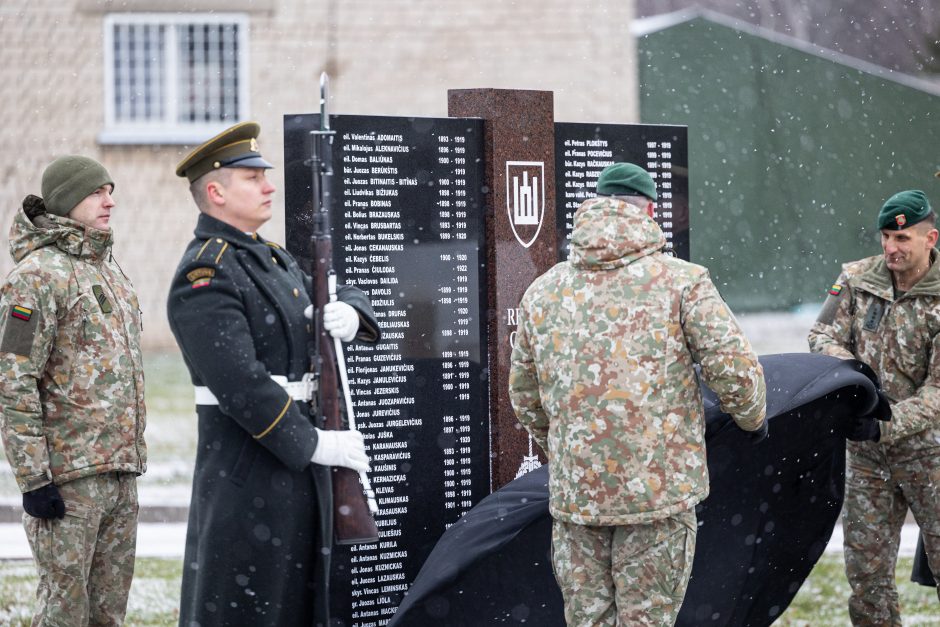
column 102, row 298
column 200, row 273
column 20, row 330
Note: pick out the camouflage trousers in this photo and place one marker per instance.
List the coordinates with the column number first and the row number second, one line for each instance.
column 881, row 483
column 624, row 575
column 86, row 559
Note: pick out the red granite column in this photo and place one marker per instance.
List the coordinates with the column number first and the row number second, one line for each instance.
column 519, row 149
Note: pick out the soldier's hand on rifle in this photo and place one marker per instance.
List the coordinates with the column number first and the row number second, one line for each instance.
column 44, row 502
column 341, row 448
column 339, row 319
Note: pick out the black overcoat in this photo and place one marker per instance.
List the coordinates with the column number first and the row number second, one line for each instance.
column 260, row 520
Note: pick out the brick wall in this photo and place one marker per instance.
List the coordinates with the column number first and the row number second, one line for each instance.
column 385, row 58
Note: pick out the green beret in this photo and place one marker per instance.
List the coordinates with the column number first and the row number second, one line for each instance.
column 626, row 179
column 69, row 179
column 235, row 147
column 904, row 209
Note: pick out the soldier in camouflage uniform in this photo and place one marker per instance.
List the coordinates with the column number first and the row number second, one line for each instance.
column 72, row 395
column 603, row 378
column 885, row 312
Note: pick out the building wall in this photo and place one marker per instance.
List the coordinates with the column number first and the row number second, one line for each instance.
column 792, row 152
column 384, row 59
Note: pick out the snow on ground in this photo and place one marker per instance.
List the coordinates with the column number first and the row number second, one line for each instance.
column 168, row 540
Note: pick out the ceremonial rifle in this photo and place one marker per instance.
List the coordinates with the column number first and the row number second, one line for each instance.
column 353, row 502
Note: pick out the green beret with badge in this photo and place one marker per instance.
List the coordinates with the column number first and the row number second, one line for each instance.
column 903, row 210
column 235, row 147
column 626, row 179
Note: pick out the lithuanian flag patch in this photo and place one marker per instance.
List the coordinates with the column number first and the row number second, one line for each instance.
column 23, row 313
column 835, row 290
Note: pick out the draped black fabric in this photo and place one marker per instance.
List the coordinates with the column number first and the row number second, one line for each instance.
column 770, row 513
column 920, row 571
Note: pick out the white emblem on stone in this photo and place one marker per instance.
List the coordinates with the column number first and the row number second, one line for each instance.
column 525, row 199
column 529, row 462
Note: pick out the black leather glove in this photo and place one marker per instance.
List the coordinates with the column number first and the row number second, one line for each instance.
column 44, row 502
column 865, row 428
column 760, row 434
column 883, row 409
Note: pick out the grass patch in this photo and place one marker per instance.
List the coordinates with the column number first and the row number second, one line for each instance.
column 823, row 598
column 154, row 597
column 153, row 600
column 171, row 413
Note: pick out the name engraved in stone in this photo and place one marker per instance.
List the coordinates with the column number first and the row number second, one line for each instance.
column 394, row 324
column 389, row 566
column 389, row 478
column 393, row 499
column 381, row 457
column 392, row 148
column 395, row 444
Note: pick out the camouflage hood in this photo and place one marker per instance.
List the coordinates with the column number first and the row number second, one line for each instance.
column 28, row 235
column 610, row 233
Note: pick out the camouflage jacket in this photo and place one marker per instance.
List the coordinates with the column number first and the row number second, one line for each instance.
column 72, row 388
column 898, row 337
column 602, row 371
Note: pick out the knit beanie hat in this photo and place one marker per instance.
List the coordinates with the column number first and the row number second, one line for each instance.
column 67, row 180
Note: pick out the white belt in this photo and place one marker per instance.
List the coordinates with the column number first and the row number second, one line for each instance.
column 302, row 390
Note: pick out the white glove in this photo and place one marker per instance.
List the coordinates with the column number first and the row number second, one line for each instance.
column 341, row 448
column 340, row 320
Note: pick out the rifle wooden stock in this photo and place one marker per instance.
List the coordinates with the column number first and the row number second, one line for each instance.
column 352, row 521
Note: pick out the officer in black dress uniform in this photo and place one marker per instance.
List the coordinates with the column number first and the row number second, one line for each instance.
column 260, row 521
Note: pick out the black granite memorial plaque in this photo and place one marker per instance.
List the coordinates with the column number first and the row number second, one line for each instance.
column 408, row 229
column 582, row 150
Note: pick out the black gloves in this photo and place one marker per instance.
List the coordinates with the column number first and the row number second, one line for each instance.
column 866, row 428
column 759, row 435
column 883, row 410
column 862, row 429
column 44, row 502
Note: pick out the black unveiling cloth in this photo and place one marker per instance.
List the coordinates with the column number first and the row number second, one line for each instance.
column 920, row 571
column 770, row 513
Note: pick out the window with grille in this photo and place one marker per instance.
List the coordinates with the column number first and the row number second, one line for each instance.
column 173, row 78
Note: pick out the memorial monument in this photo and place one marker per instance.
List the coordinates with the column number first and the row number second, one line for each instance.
column 444, row 222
